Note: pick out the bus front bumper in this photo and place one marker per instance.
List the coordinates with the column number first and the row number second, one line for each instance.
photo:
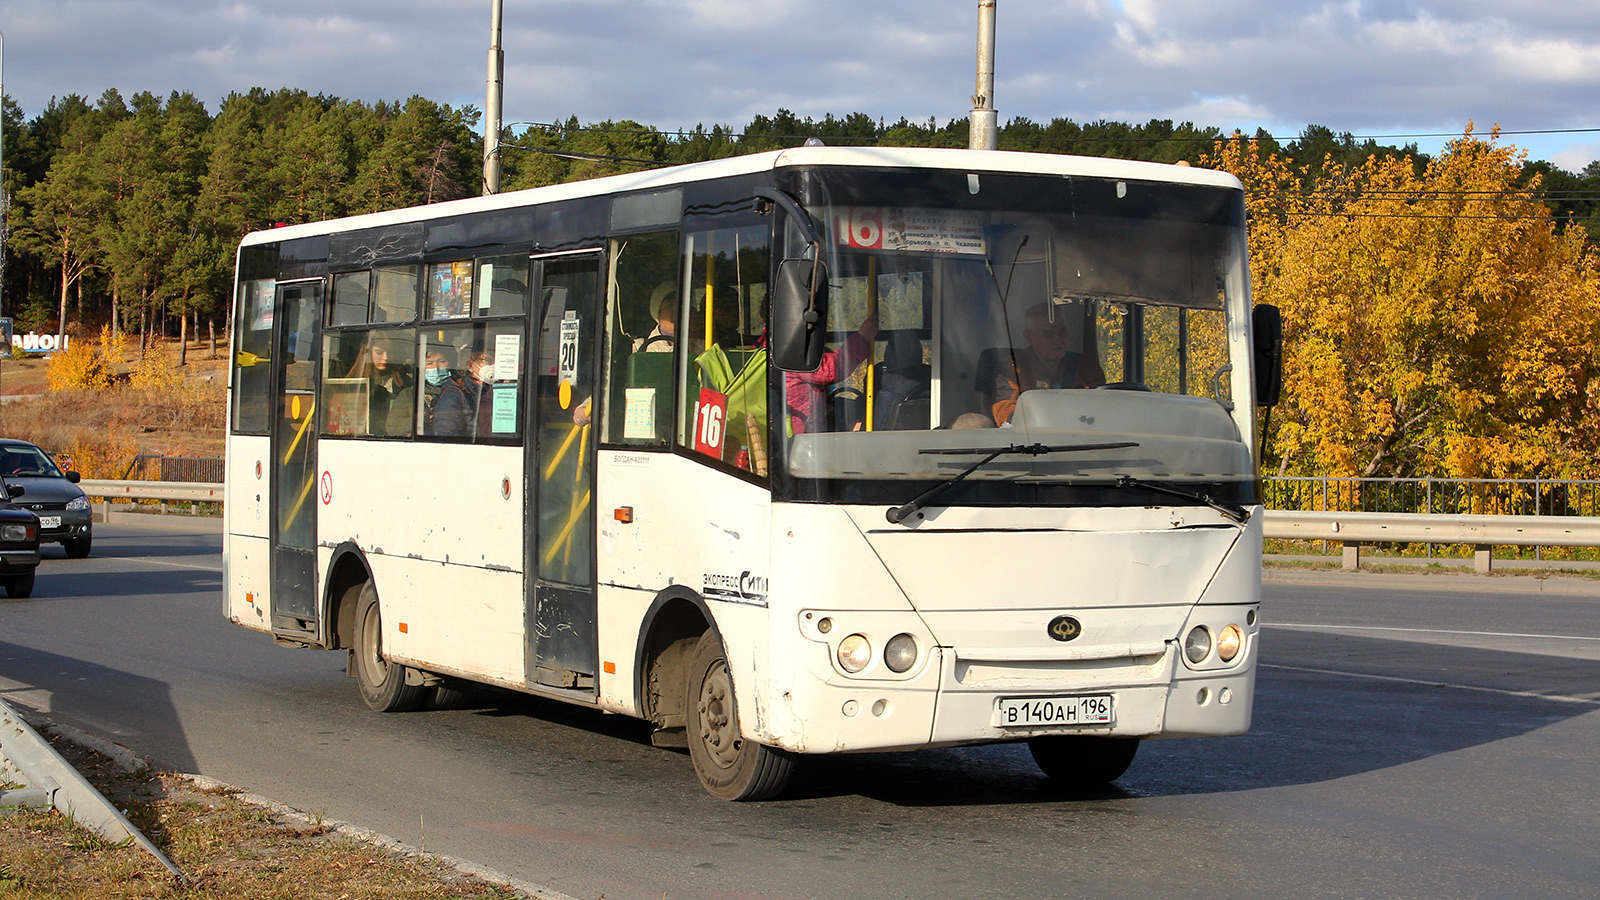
column 952, row 701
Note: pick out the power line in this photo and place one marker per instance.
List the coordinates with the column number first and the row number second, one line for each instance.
column 1207, row 134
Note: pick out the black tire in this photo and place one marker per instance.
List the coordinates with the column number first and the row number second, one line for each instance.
column 77, row 548
column 1081, row 761
column 452, row 693
column 383, row 683
column 729, row 766
column 20, row 586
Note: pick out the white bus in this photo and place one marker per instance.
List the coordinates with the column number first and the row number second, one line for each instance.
column 822, row 450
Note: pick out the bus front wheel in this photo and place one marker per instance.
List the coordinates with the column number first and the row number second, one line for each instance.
column 383, row 684
column 729, row 766
column 1082, row 761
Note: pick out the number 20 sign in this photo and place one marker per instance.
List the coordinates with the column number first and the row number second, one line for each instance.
column 710, row 422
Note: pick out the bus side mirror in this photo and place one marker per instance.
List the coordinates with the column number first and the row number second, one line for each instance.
column 1266, row 326
column 799, row 315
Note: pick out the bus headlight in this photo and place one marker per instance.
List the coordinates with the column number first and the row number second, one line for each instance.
column 1229, row 642
column 1197, row 645
column 855, row 653
column 900, row 654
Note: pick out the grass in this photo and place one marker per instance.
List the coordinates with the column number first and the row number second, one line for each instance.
column 227, row 848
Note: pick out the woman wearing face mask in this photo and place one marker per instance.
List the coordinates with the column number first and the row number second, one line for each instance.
column 435, row 375
column 465, row 407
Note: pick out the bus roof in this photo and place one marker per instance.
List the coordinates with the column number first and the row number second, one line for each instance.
column 892, row 157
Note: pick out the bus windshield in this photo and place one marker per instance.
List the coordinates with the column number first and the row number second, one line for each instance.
column 971, row 312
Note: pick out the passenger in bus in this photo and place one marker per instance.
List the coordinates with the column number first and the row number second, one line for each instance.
column 807, row 392
column 465, row 407
column 436, row 373
column 660, row 339
column 1044, row 364
column 389, row 383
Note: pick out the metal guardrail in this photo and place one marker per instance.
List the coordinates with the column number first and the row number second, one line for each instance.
column 52, row 781
column 1353, row 529
column 194, row 491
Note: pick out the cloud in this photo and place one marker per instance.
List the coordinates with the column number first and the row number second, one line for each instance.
column 1577, row 157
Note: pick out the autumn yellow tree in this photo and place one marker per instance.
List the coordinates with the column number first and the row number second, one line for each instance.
column 1435, row 322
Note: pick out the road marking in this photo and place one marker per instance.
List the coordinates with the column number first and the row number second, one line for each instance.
column 1559, row 698
column 159, row 562
column 1504, row 634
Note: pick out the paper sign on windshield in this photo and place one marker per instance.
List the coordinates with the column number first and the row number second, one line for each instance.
column 910, row 230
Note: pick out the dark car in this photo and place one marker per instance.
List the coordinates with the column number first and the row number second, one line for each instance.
column 52, row 494
column 19, row 544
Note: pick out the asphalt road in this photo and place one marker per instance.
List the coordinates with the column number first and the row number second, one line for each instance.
column 1416, row 736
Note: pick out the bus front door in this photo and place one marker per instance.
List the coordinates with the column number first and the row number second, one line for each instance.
column 294, row 461
column 560, row 617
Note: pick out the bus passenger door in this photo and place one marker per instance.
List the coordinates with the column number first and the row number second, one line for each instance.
column 560, row 618
column 294, row 460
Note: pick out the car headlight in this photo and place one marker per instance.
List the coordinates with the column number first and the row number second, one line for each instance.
column 855, row 653
column 900, row 654
column 1229, row 642
column 78, row 503
column 14, row 534
column 1197, row 645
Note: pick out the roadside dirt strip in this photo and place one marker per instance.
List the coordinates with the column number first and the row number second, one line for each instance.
column 117, row 761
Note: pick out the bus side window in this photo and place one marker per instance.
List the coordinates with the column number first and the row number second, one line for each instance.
column 724, row 381
column 252, row 351
column 638, row 378
column 369, row 382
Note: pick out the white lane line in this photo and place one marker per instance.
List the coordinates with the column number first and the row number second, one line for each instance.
column 1504, row 634
column 1559, row 698
column 159, row 562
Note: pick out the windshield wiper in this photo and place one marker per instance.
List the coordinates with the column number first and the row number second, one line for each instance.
column 898, row 514
column 1232, row 510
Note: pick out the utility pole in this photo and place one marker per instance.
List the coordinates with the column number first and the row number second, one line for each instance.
column 985, row 129
column 491, row 111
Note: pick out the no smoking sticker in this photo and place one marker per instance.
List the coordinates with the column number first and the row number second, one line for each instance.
column 327, row 487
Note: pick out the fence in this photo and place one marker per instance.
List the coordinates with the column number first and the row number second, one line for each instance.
column 160, row 467
column 1438, row 496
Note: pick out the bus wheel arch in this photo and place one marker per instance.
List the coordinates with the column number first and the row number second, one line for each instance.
column 347, row 572
column 672, row 626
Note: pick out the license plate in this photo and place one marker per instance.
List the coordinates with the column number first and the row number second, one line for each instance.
column 49, row 521
column 1094, row 709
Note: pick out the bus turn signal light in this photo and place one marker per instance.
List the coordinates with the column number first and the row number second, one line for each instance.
column 624, row 514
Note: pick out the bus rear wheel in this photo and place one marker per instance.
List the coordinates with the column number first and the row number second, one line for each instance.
column 1082, row 761
column 729, row 766
column 383, row 684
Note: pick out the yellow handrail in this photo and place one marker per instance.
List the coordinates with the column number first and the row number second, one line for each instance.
column 311, row 415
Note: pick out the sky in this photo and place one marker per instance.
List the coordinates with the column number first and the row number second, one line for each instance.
column 1401, row 71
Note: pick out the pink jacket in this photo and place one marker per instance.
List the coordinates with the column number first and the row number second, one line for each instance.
column 807, row 392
